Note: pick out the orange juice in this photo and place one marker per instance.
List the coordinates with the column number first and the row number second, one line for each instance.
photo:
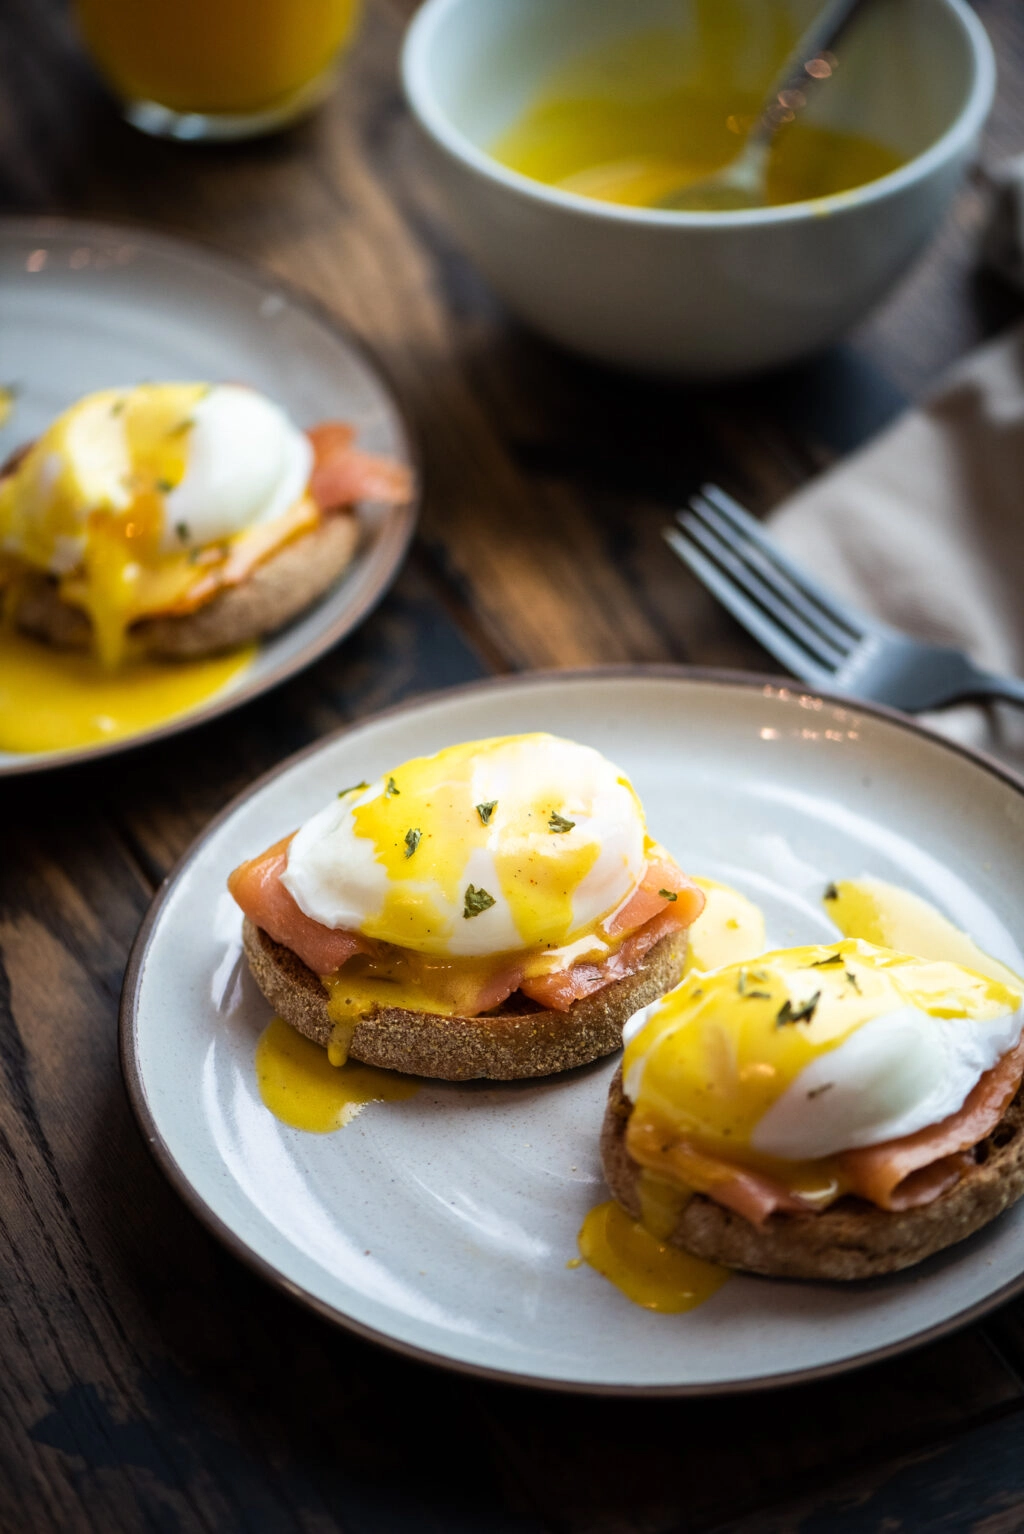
column 215, row 57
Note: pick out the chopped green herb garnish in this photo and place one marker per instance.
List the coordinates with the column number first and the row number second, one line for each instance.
column 181, row 528
column 391, row 788
column 485, row 811
column 853, row 981
column 831, row 893
column 803, row 1013
column 559, row 822
column 668, row 894
column 353, row 790
column 412, row 841
column 476, row 901
column 165, row 487
column 833, row 958
column 826, row 1086
column 117, row 407
column 746, row 993
column 182, row 427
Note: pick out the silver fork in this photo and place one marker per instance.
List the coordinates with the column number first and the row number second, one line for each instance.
column 818, row 637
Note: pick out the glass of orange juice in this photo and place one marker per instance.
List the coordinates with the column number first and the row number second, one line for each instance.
column 216, row 69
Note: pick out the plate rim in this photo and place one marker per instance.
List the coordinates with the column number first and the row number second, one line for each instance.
column 765, row 683
column 393, row 540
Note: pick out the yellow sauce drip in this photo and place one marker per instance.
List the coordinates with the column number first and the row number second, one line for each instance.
column 56, row 700
column 342, row 1033
column 415, row 982
column 729, row 930
column 645, row 1269
column 303, row 1089
column 661, row 1204
column 634, row 120
column 895, row 918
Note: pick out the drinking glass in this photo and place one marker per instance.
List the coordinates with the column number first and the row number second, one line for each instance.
column 216, row 69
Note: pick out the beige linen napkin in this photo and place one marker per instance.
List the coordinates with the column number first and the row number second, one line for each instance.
column 924, row 527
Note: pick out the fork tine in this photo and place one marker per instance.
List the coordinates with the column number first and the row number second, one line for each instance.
column 753, row 618
column 755, row 555
column 768, row 597
column 858, row 623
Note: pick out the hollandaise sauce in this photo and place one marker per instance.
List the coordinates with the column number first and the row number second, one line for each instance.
column 303, row 1089
column 893, row 917
column 643, row 1266
column 56, row 700
column 650, row 112
column 729, row 930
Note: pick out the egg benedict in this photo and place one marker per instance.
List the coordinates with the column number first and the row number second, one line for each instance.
column 497, row 909
column 178, row 519
column 836, row 1111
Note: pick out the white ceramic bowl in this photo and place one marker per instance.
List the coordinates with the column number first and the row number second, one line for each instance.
column 704, row 294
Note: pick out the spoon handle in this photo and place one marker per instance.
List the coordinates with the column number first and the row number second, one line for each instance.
column 805, row 67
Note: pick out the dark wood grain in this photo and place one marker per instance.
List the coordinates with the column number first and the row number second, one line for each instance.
column 975, row 1482
column 148, row 1380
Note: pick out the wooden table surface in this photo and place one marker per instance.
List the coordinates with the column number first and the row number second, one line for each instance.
column 147, row 1379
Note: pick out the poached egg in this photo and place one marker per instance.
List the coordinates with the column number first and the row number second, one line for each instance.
column 491, row 846
column 131, row 495
column 804, row 1053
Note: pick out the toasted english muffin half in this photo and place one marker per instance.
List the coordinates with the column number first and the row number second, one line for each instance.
column 499, row 1045
column 276, row 592
column 852, row 1239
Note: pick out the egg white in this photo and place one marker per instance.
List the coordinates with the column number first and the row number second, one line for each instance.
column 900, row 1072
column 336, row 879
column 247, row 464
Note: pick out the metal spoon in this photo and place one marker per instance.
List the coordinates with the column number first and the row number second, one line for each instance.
column 743, row 183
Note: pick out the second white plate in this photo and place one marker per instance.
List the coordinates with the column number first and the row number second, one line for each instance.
column 443, row 1224
column 88, row 306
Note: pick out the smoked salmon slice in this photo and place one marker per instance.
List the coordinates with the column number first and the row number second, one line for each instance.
column 560, row 989
column 256, row 886
column 343, row 475
column 902, row 1174
column 664, row 887
column 750, row 1193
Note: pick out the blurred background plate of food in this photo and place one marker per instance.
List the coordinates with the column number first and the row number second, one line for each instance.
column 557, row 125
column 103, row 325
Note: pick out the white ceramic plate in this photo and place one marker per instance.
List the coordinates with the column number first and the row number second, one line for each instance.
column 443, row 1224
column 88, row 306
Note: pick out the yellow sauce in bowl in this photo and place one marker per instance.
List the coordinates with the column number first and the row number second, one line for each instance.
column 653, row 111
